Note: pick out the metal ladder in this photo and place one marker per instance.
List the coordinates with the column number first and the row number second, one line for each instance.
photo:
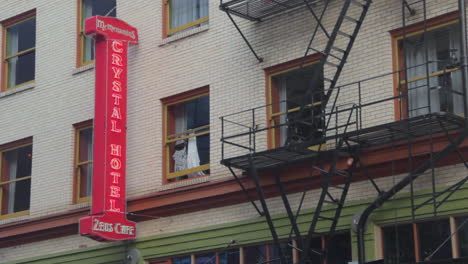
column 333, row 57
column 326, row 197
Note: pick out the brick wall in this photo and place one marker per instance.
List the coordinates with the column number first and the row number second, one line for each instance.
column 214, row 56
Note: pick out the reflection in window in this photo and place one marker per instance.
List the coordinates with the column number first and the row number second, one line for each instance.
column 91, row 8
column 431, row 236
column 255, row 254
column 15, row 180
column 182, row 260
column 208, row 258
column 445, row 89
column 229, row 256
column 84, row 162
column 286, row 249
column 20, row 52
column 295, row 89
column 398, row 244
column 462, row 223
column 339, row 249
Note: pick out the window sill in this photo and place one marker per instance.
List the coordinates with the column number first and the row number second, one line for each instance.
column 83, row 68
column 184, row 183
column 18, row 214
column 182, row 35
column 18, row 89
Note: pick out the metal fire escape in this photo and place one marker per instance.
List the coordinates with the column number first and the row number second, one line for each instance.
column 338, row 130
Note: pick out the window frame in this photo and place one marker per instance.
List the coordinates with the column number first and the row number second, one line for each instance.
column 168, row 31
column 399, row 57
column 217, row 252
column 80, row 36
column 4, row 64
column 454, row 240
column 76, row 163
column 168, row 126
column 272, row 94
column 5, row 148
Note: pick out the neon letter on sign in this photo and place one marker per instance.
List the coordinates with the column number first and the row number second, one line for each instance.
column 108, row 221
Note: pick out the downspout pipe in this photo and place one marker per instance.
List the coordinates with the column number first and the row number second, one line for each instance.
column 463, row 50
column 398, row 187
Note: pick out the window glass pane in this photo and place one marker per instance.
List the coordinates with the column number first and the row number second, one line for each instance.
column 285, row 249
column 192, row 152
column 431, row 236
column 181, row 260
column 198, row 112
column 102, row 7
column 255, row 254
column 85, row 174
column 85, row 157
column 22, row 195
column 463, row 236
column 339, row 249
column 21, row 36
column 398, row 244
column 95, row 8
column 208, row 258
column 443, row 52
column 316, row 250
column 185, row 11
column 229, row 257
column 16, row 164
column 21, row 69
column 86, row 144
column 296, row 89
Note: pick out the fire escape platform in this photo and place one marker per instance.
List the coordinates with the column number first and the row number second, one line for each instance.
column 256, row 10
column 411, row 128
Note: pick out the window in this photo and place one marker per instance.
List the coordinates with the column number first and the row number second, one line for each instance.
column 19, row 51
column 15, row 180
column 182, row 15
column 290, row 88
column 186, row 137
column 462, row 224
column 83, row 161
column 207, row 258
column 266, row 253
column 339, row 250
column 89, row 8
column 255, row 254
column 231, row 256
column 415, row 242
column 286, row 249
column 182, row 260
column 437, row 87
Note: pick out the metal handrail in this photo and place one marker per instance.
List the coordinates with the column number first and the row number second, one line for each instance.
column 252, row 127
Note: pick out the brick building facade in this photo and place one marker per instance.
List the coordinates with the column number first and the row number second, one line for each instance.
column 187, row 214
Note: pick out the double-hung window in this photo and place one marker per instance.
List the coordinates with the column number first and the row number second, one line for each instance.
column 15, row 179
column 89, row 8
column 187, row 139
column 293, row 97
column 185, row 14
column 83, row 161
column 19, row 52
column 433, row 81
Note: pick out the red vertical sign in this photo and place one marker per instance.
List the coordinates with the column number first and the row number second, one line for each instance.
column 108, row 221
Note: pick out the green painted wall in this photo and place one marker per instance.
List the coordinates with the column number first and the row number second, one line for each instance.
column 256, row 230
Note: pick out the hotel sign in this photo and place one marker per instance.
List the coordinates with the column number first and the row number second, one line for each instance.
column 108, row 221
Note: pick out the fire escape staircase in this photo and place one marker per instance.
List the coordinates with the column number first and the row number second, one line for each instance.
column 334, row 182
column 348, row 143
